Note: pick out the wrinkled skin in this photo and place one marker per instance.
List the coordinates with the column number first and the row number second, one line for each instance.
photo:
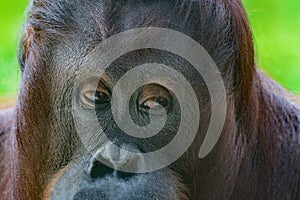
column 42, row 157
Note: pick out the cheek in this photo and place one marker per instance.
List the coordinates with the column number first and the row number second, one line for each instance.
column 53, row 181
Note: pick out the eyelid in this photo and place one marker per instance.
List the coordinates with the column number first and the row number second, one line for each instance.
column 93, row 93
column 95, row 85
column 153, row 91
column 154, row 100
column 90, row 88
column 150, row 94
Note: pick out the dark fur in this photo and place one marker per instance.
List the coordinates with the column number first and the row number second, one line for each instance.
column 257, row 156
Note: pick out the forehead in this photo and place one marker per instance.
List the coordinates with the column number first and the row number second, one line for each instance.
column 92, row 22
column 102, row 19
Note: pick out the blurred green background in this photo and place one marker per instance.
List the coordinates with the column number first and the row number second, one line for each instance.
column 11, row 19
column 276, row 27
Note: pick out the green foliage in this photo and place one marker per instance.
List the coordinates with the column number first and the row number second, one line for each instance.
column 11, row 19
column 276, row 27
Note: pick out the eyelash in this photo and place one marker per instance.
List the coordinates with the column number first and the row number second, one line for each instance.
column 157, row 100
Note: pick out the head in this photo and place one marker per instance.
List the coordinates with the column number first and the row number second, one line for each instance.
column 75, row 117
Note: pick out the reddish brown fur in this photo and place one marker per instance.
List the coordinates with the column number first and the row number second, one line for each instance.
column 261, row 134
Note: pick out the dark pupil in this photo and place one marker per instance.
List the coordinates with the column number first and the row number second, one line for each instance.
column 162, row 101
column 100, row 98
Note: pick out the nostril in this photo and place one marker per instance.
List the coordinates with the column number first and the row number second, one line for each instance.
column 117, row 159
column 99, row 170
column 90, row 194
column 124, row 175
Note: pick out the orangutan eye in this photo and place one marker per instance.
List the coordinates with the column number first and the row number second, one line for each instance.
column 156, row 98
column 156, row 103
column 98, row 98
